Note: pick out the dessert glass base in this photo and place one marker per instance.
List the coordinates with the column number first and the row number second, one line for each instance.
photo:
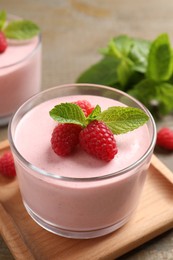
column 87, row 234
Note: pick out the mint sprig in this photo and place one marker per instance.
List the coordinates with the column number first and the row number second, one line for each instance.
column 18, row 29
column 139, row 67
column 118, row 119
column 121, row 120
column 68, row 113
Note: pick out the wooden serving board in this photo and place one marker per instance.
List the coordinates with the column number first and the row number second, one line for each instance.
column 27, row 240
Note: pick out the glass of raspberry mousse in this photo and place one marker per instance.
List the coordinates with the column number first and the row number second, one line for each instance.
column 20, row 71
column 81, row 193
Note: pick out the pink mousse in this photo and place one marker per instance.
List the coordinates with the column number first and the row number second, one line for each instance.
column 78, row 205
column 20, row 74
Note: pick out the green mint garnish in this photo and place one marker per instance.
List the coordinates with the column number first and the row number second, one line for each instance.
column 18, row 29
column 21, row 30
column 104, row 71
column 139, row 67
column 119, row 120
column 96, row 112
column 68, row 113
column 2, row 19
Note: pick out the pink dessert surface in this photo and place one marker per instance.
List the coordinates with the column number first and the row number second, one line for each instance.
column 79, row 205
column 20, row 74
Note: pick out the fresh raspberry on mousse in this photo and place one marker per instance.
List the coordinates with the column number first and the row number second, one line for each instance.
column 85, row 106
column 96, row 139
column 65, row 138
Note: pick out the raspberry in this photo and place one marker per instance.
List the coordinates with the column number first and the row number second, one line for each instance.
column 3, row 42
column 65, row 138
column 7, row 167
column 165, row 138
column 85, row 106
column 98, row 140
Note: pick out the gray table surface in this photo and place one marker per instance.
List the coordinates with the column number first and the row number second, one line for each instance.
column 73, row 31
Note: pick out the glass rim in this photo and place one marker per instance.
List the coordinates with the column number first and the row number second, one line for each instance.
column 30, row 54
column 88, row 179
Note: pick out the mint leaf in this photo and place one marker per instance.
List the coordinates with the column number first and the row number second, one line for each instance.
column 104, row 72
column 160, row 59
column 3, row 17
column 68, row 113
column 139, row 54
column 132, row 49
column 121, row 120
column 124, row 72
column 123, row 44
column 165, row 98
column 95, row 113
column 111, row 50
column 154, row 95
column 146, row 92
column 133, row 54
column 21, row 30
column 119, row 47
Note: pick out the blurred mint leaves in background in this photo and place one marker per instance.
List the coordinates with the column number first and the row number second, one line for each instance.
column 142, row 68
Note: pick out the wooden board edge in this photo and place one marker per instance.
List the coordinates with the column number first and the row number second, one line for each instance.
column 4, row 145
column 162, row 168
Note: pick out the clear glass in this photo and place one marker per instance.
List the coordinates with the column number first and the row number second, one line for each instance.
column 81, row 207
column 21, row 79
